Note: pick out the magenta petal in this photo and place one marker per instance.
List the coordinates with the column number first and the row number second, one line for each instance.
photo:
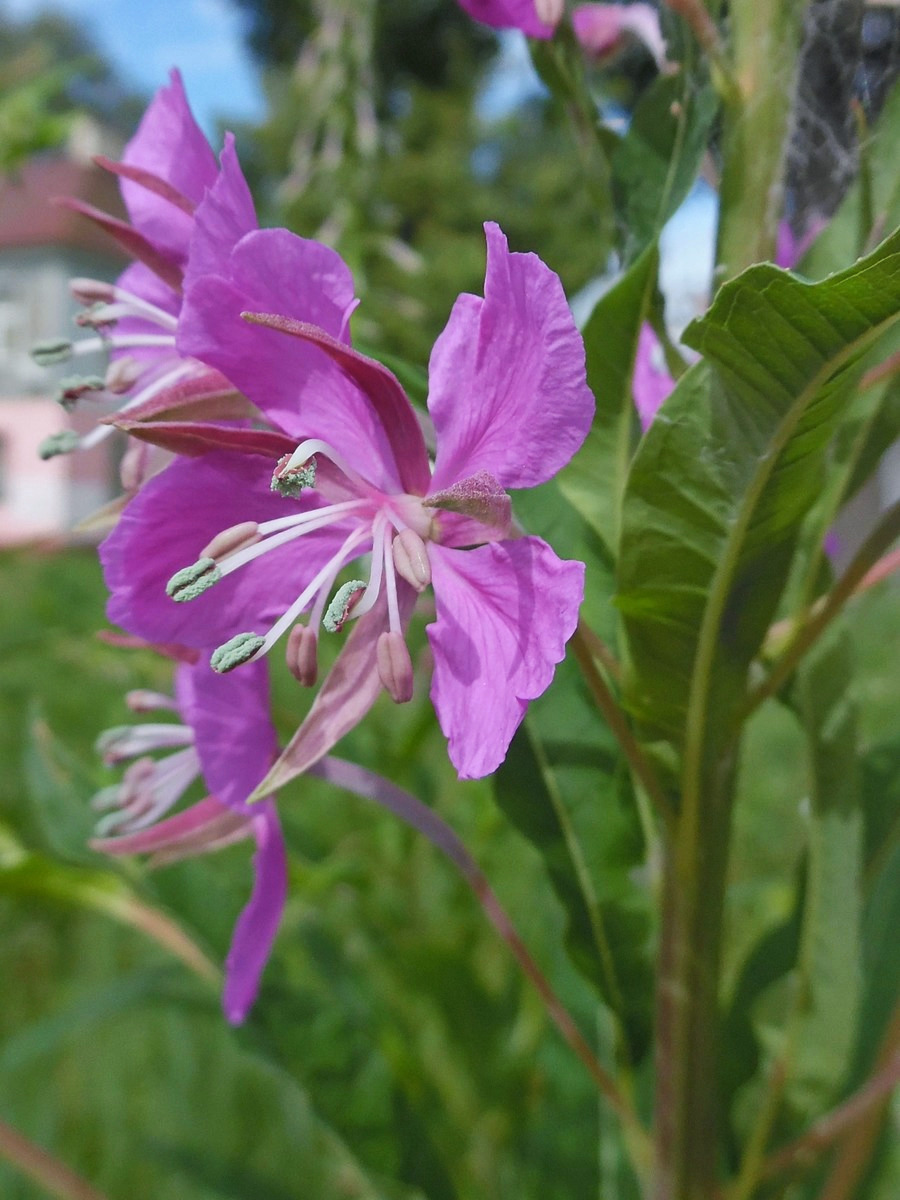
column 168, row 523
column 507, row 384
column 168, row 143
column 600, row 28
column 221, row 220
column 504, row 614
column 651, row 383
column 508, row 14
column 233, row 732
column 206, row 822
column 291, row 381
column 257, row 925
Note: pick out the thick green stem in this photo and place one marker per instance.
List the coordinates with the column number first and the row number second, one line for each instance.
column 765, row 38
column 687, row 1100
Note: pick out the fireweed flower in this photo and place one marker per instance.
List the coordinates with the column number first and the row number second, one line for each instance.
column 601, row 29
column 167, row 169
column 510, row 405
column 226, row 736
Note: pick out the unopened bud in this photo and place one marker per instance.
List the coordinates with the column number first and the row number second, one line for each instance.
column 50, row 353
column 394, row 666
column 411, row 559
column 549, row 11
column 92, row 291
column 122, row 374
column 73, row 387
column 289, row 481
column 63, row 442
column 302, row 655
column 236, row 651
column 191, row 582
column 238, row 537
column 342, row 602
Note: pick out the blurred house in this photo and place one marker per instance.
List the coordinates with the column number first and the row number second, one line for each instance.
column 41, row 247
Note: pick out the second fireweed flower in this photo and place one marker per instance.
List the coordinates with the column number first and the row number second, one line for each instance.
column 510, row 405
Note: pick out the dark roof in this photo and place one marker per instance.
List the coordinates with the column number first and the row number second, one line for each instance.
column 29, row 218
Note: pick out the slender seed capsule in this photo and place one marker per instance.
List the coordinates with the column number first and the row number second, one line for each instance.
column 394, row 666
column 302, row 655
column 339, row 609
column 235, row 652
column 63, row 442
column 191, row 582
column 238, row 537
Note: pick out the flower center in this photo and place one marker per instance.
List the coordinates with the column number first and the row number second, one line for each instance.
column 392, row 529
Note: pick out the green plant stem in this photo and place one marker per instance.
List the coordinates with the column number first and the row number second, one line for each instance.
column 765, row 38
column 42, row 1168
column 687, row 993
column 866, row 558
column 582, row 643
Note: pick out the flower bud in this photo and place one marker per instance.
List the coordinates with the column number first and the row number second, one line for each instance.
column 394, row 666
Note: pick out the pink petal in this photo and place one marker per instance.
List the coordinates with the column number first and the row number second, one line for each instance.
column 291, row 381
column 600, row 28
column 206, row 822
column 168, row 523
column 507, row 385
column 257, row 925
column 351, row 688
column 221, row 220
column 508, row 14
column 651, row 383
column 168, row 143
column 233, row 731
column 504, row 614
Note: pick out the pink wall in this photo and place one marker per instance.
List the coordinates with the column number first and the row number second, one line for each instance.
column 33, row 494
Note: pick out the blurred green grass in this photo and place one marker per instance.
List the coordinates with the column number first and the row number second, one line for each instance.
column 393, row 1040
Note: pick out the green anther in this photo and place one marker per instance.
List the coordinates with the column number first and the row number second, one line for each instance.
column 58, row 443
column 48, row 354
column 339, row 608
column 191, row 582
column 74, row 386
column 233, row 653
column 290, row 483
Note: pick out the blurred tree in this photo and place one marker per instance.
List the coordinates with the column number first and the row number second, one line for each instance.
column 382, row 141
column 49, row 72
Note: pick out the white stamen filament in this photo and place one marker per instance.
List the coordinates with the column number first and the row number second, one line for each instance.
column 329, row 571
column 277, row 523
column 300, row 525
column 391, row 583
column 370, row 595
column 138, row 739
column 184, row 368
column 113, row 312
column 170, row 778
column 115, row 341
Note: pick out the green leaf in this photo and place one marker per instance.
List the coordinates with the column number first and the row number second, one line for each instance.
column 723, row 479
column 829, row 967
column 594, row 480
column 657, row 162
column 563, row 786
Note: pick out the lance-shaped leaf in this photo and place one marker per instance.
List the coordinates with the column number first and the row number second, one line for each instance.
column 657, row 162
column 594, row 480
column 829, row 969
column 724, row 477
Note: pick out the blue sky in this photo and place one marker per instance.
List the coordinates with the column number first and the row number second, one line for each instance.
column 144, row 38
